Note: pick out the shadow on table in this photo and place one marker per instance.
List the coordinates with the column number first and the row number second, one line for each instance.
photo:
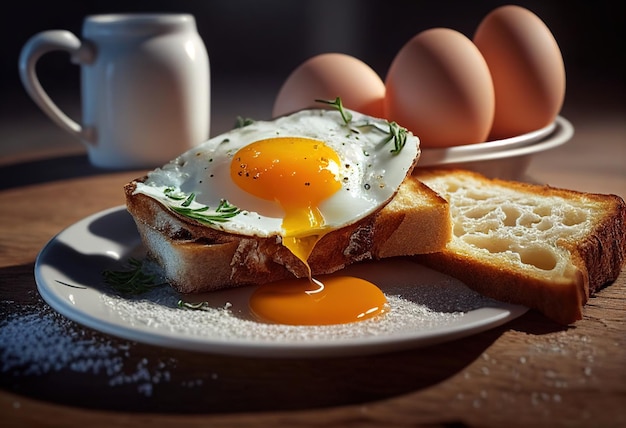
column 209, row 384
column 46, row 170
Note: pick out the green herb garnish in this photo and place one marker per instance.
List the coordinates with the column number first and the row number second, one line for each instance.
column 345, row 114
column 241, row 122
column 224, row 211
column 189, row 200
column 174, row 194
column 398, row 134
column 132, row 280
column 395, row 132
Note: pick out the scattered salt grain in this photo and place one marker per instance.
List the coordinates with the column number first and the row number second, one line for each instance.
column 411, row 311
column 193, row 383
column 37, row 341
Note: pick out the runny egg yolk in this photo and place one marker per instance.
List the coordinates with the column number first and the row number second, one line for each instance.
column 299, row 173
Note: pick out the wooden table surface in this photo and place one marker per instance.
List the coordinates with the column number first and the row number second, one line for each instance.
column 529, row 372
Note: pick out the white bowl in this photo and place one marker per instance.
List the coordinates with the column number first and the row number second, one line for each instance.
column 508, row 158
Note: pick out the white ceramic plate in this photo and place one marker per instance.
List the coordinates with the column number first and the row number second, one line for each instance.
column 427, row 307
column 553, row 135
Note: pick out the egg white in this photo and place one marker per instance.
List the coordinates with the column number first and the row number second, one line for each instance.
column 370, row 172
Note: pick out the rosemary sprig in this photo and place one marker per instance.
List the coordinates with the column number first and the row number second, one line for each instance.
column 345, row 114
column 398, row 134
column 189, row 200
column 132, row 280
column 173, row 193
column 224, row 211
column 241, row 122
column 395, row 132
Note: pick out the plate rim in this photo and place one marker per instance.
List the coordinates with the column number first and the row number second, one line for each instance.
column 352, row 346
column 557, row 133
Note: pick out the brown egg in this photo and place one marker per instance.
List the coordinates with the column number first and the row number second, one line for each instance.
column 527, row 70
column 327, row 76
column 439, row 87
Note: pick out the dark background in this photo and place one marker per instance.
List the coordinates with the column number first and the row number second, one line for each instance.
column 254, row 45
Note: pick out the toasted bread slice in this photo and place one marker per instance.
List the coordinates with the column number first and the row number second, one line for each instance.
column 197, row 258
column 546, row 248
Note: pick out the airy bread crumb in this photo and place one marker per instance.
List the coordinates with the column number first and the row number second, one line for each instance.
column 542, row 247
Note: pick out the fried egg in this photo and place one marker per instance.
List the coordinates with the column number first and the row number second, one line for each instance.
column 297, row 177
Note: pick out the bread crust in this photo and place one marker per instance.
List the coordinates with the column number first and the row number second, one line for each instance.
column 197, row 258
column 597, row 258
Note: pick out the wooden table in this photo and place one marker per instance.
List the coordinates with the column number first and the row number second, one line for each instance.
column 529, row 372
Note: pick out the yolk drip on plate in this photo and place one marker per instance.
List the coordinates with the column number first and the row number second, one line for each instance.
column 336, row 300
column 300, row 173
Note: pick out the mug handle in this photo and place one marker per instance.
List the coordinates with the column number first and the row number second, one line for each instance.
column 37, row 46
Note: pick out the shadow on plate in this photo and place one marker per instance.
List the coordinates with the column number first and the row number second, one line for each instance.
column 88, row 268
column 116, row 226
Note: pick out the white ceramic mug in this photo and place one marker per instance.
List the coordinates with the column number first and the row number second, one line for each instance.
column 145, row 87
